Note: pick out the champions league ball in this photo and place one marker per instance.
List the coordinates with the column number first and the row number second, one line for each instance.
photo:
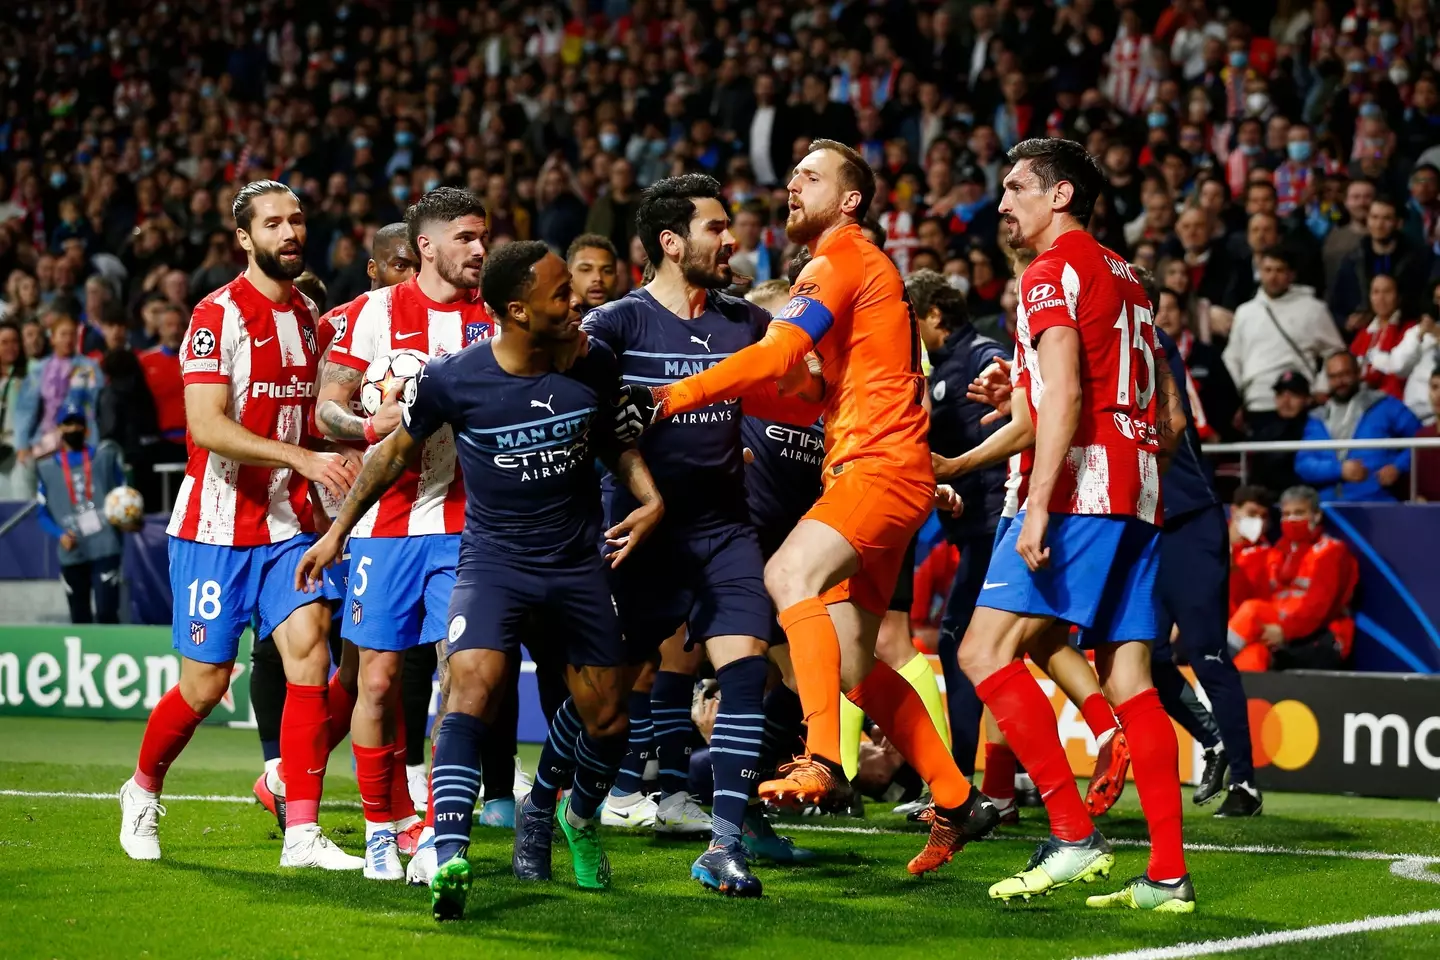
column 124, row 507
column 384, row 374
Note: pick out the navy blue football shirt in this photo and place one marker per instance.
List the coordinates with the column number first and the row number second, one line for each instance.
column 1186, row 486
column 783, row 481
column 695, row 457
column 526, row 448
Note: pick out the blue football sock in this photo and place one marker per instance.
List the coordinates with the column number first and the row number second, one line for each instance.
column 557, row 757
column 735, row 743
column 455, row 779
column 670, row 718
column 632, row 768
column 599, row 759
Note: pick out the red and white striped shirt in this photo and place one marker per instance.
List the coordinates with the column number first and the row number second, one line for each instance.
column 265, row 352
column 430, row 499
column 1111, row 467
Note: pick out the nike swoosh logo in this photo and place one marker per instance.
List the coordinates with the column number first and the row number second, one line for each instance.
column 991, row 586
column 261, row 343
column 407, row 336
column 316, row 773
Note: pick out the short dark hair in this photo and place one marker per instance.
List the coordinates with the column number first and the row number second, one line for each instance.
column 441, row 205
column 390, row 236
column 590, row 241
column 1278, row 252
column 1389, row 201
column 1147, row 281
column 243, row 206
column 797, row 263
column 1263, row 185
column 927, row 289
column 1252, row 494
column 314, row 288
column 874, row 226
column 855, row 173
column 508, row 274
column 669, row 204
column 1056, row 160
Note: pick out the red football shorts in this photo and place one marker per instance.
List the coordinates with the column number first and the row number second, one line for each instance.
column 877, row 512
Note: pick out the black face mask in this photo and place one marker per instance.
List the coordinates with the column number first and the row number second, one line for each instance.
column 74, row 439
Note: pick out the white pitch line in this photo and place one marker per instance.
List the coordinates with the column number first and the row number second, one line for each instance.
column 1325, row 931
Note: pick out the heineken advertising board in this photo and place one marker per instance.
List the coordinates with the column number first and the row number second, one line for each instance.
column 101, row 672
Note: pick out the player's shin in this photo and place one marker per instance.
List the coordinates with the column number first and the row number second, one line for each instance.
column 1024, row 715
column 735, row 744
column 171, row 725
column 1155, row 759
column 918, row 673
column 815, row 651
column 304, row 751
column 639, row 749
column 670, row 718
column 455, row 783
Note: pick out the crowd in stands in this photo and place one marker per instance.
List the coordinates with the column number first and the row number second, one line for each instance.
column 1273, row 163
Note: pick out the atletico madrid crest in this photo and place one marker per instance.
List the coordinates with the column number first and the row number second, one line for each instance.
column 357, row 612
column 476, row 331
column 197, row 632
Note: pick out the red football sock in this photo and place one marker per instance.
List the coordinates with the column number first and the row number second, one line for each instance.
column 1025, row 717
column 171, row 725
column 401, row 806
column 999, row 781
column 1098, row 715
column 1155, row 758
column 373, row 773
column 305, row 749
column 889, row 700
column 342, row 705
column 815, row 652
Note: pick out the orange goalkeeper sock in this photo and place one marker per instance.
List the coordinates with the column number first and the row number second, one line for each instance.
column 815, row 651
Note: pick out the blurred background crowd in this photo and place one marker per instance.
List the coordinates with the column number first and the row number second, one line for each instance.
column 1274, row 163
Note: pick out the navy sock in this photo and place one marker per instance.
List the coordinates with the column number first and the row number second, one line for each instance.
column 735, row 743
column 784, row 720
column 670, row 718
column 557, row 757
column 455, row 779
column 598, row 761
column 1182, row 705
column 632, row 768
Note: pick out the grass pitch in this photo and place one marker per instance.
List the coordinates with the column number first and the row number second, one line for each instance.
column 67, row 890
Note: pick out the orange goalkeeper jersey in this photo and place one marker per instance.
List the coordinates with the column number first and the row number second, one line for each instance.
column 851, row 301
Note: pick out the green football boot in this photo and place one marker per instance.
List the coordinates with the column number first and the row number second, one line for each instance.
column 1142, row 893
column 592, row 867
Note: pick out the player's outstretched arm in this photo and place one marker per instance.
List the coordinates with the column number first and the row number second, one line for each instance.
column 212, row 429
column 1057, row 416
column 1012, row 438
column 630, row 469
column 783, row 346
column 769, row 401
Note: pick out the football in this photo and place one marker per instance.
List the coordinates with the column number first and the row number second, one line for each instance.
column 124, row 507
column 385, row 373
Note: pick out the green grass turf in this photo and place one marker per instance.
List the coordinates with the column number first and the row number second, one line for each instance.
column 67, row 890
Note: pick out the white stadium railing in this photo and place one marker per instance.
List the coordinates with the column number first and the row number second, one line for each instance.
column 1245, row 447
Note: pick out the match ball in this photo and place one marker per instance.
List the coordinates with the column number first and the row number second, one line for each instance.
column 124, row 507
column 385, row 373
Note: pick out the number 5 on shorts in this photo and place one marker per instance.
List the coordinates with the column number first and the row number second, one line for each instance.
column 359, row 574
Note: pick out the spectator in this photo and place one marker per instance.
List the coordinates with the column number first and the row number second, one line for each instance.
column 22, row 298
column 1382, row 334
column 1384, row 249
column 15, row 483
column 1276, row 471
column 1427, row 462
column 217, row 269
column 1202, row 255
column 1293, row 609
column 60, row 380
column 561, row 212
column 1345, row 239
column 1249, row 520
column 612, row 215
column 73, row 483
column 1422, row 212
column 1214, row 400
column 1284, row 328
column 32, row 338
column 1355, row 411
column 1299, row 174
column 125, row 415
column 1413, row 359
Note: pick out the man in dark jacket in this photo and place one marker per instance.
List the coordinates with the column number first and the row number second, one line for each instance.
column 1276, row 471
column 1385, row 250
column 957, row 356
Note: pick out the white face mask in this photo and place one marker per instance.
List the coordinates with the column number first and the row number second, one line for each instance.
column 1251, row 528
column 959, row 283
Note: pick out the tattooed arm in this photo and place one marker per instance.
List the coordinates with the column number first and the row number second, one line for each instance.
column 387, row 461
column 630, row 469
column 337, row 385
column 1170, row 420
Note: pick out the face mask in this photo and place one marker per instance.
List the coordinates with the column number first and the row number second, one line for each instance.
column 609, row 141
column 959, row 282
column 1156, row 120
column 780, row 62
column 404, row 139
column 74, row 439
column 1399, row 76
column 1239, row 59
column 147, row 154
column 1256, row 103
column 207, row 90
column 360, row 143
column 1250, row 149
column 431, row 184
column 57, row 179
column 400, row 192
column 1389, row 41
column 1299, row 530
column 338, row 55
column 966, row 118
column 1299, row 150
column 657, row 148
column 1251, row 528
column 1355, row 66
column 362, row 90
